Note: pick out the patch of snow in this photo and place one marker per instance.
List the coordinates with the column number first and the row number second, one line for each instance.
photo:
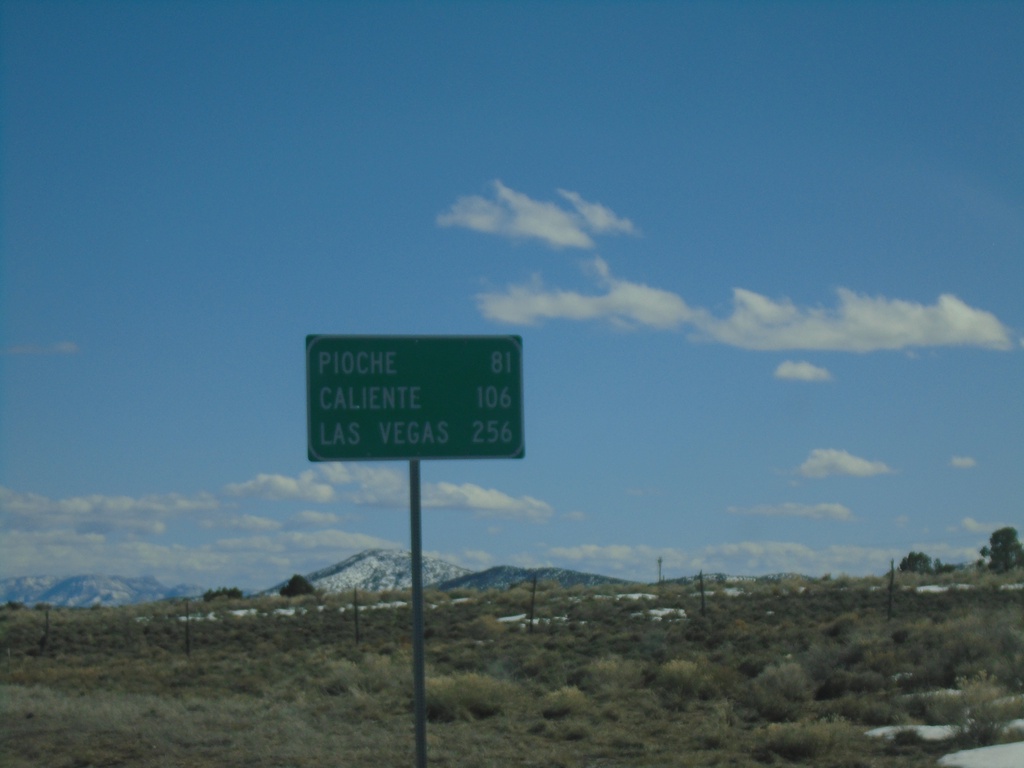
column 665, row 613
column 512, row 619
column 926, row 732
column 936, row 588
column 386, row 606
column 943, row 732
column 240, row 612
column 636, row 596
column 999, row 756
column 1011, row 586
column 727, row 591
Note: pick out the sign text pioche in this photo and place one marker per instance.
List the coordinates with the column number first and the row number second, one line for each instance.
column 414, row 397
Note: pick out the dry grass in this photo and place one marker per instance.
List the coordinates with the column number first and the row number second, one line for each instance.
column 787, row 674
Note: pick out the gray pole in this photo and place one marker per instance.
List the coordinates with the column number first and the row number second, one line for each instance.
column 418, row 663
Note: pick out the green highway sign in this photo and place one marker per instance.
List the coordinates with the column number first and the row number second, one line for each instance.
column 414, row 397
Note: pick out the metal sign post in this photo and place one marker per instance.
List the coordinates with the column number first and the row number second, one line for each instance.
column 413, row 398
column 419, row 666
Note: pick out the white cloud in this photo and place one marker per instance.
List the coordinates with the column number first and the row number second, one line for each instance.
column 623, row 303
column 638, row 561
column 374, row 486
column 277, row 487
column 332, row 541
column 735, row 558
column 257, row 560
column 485, row 502
column 389, row 487
column 513, row 214
column 825, row 511
column 758, row 556
column 66, row 553
column 823, row 462
column 963, row 462
column 99, row 513
column 597, row 217
column 974, row 526
column 801, row 371
column 858, row 324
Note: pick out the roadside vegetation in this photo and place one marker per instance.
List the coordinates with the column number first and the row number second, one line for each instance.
column 793, row 672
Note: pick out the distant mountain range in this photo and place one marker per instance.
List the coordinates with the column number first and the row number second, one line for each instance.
column 374, row 570
column 89, row 590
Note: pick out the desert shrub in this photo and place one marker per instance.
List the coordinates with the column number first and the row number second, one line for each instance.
column 780, row 692
column 715, row 726
column 373, row 674
column 486, row 628
column 978, row 712
column 869, row 710
column 565, row 702
column 1006, row 634
column 612, row 676
column 883, row 660
column 680, row 681
column 932, row 707
column 467, row 696
column 548, row 668
column 842, row 682
column 802, row 741
column 946, row 650
column 842, row 626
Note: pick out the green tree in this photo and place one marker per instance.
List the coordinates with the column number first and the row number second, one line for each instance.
column 917, row 562
column 1004, row 551
column 297, row 585
column 233, row 593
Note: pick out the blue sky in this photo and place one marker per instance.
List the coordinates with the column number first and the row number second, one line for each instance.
column 767, row 261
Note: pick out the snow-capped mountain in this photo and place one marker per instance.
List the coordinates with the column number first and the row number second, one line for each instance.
column 377, row 570
column 505, row 576
column 374, row 570
column 94, row 589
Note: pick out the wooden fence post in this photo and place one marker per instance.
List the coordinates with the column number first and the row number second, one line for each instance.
column 892, row 587
column 355, row 609
column 45, row 639
column 533, row 601
column 188, row 631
